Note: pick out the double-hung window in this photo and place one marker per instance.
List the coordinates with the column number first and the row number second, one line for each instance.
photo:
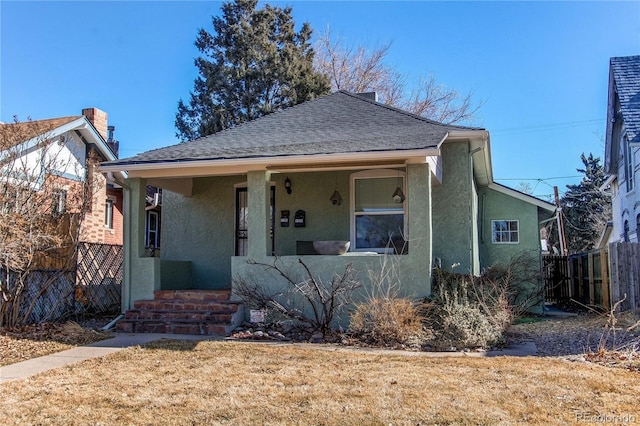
column 628, row 163
column 378, row 219
column 108, row 213
column 505, row 232
column 153, row 229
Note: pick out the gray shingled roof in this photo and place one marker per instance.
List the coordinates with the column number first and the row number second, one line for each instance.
column 337, row 123
column 626, row 74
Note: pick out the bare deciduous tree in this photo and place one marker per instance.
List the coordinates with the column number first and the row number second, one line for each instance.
column 40, row 210
column 359, row 69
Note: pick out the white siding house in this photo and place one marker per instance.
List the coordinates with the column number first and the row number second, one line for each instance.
column 622, row 149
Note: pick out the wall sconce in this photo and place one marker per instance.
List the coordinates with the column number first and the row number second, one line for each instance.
column 398, row 195
column 287, row 185
column 336, row 199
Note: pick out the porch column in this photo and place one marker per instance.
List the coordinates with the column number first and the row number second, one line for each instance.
column 258, row 216
column 137, row 282
column 420, row 217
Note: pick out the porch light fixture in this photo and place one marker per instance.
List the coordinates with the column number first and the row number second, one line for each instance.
column 336, row 199
column 287, row 185
column 398, row 195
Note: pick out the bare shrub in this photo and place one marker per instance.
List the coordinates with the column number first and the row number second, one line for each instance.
column 466, row 311
column 387, row 322
column 457, row 323
column 325, row 301
column 385, row 318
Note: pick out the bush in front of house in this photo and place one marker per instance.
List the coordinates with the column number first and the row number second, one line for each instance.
column 466, row 312
column 388, row 321
column 463, row 312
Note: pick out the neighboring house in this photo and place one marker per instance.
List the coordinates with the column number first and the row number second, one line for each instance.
column 78, row 141
column 342, row 167
column 622, row 149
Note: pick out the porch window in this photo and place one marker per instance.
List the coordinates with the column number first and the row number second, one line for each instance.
column 153, row 229
column 505, row 231
column 378, row 221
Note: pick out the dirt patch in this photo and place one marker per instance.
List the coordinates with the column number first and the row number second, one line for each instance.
column 32, row 341
column 586, row 337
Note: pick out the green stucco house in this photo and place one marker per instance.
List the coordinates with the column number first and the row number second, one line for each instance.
column 342, row 167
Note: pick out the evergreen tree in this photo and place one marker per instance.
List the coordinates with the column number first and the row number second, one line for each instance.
column 253, row 64
column 585, row 207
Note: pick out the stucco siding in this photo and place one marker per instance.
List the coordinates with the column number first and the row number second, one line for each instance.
column 311, row 192
column 453, row 209
column 200, row 229
column 497, row 206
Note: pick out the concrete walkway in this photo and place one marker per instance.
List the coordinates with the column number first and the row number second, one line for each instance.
column 121, row 341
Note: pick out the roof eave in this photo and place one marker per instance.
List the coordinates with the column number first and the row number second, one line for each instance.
column 523, row 197
column 273, row 162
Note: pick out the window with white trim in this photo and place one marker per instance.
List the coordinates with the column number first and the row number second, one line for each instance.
column 625, row 231
column 153, row 229
column 505, row 231
column 108, row 214
column 59, row 202
column 377, row 219
column 628, row 163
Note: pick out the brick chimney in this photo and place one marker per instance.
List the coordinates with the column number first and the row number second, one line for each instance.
column 99, row 120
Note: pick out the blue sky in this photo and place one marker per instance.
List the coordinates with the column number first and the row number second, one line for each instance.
column 541, row 68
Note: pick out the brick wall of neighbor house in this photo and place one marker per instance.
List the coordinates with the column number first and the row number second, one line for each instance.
column 98, row 118
column 114, row 235
column 92, row 230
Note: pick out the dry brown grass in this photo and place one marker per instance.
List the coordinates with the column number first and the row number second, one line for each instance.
column 32, row 341
column 173, row 382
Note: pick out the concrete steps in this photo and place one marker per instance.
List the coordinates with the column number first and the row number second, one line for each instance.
column 199, row 312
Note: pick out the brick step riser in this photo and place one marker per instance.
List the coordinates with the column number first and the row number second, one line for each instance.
column 202, row 295
column 184, row 305
column 168, row 327
column 203, row 316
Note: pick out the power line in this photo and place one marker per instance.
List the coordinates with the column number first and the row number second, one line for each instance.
column 540, row 179
column 545, row 127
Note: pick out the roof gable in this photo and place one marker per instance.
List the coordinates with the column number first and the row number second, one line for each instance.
column 29, row 131
column 626, row 76
column 26, row 130
column 332, row 124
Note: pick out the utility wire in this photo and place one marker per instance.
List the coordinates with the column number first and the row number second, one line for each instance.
column 545, row 127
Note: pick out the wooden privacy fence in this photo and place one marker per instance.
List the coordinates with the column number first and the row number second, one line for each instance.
column 94, row 286
column 589, row 274
column 624, row 259
column 556, row 278
column 599, row 277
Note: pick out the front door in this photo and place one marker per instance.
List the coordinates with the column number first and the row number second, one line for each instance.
column 242, row 206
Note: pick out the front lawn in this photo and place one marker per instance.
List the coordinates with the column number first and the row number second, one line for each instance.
column 174, row 382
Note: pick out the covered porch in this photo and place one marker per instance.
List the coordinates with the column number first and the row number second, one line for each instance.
column 217, row 218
